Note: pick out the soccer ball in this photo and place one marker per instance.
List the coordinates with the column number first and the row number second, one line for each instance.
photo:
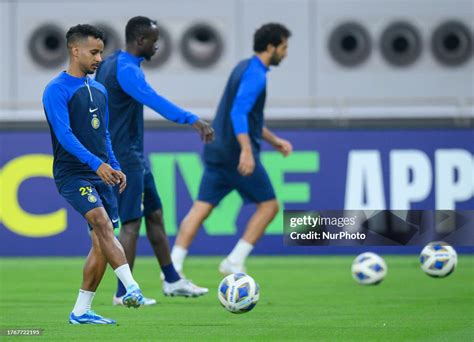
column 369, row 269
column 438, row 259
column 238, row 293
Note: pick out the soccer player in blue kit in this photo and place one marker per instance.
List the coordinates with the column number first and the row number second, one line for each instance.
column 85, row 169
column 232, row 161
column 128, row 90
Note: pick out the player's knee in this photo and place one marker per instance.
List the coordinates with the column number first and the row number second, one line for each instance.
column 200, row 211
column 275, row 207
column 157, row 237
column 156, row 233
column 156, row 230
column 101, row 223
column 131, row 228
column 154, row 219
column 271, row 207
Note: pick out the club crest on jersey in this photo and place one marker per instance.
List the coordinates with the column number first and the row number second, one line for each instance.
column 95, row 122
column 91, row 198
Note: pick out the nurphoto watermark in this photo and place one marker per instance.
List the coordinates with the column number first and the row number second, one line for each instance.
column 377, row 227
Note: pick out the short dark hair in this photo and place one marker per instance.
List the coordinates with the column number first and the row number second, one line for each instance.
column 271, row 33
column 82, row 31
column 136, row 27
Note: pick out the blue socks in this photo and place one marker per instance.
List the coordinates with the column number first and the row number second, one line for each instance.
column 170, row 273
column 121, row 290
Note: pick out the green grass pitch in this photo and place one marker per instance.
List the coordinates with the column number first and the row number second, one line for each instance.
column 311, row 298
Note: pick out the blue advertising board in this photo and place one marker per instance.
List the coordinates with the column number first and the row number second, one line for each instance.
column 329, row 170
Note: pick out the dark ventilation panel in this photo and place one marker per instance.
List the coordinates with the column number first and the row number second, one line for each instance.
column 202, row 45
column 47, row 46
column 349, row 44
column 400, row 44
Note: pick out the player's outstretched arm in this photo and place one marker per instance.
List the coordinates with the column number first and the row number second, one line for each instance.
column 132, row 80
column 281, row 145
column 205, row 130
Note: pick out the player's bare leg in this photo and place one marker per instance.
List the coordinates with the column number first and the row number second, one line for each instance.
column 93, row 271
column 95, row 266
column 155, row 232
column 102, row 226
column 235, row 261
column 174, row 284
column 128, row 237
column 114, row 254
column 263, row 216
column 188, row 230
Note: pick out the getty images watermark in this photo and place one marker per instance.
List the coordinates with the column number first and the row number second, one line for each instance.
column 315, row 228
column 309, row 227
column 378, row 227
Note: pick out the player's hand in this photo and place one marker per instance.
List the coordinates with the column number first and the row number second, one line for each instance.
column 108, row 174
column 283, row 146
column 246, row 163
column 205, row 130
column 123, row 181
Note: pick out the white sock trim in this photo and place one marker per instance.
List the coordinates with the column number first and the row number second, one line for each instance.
column 83, row 302
column 240, row 252
column 124, row 273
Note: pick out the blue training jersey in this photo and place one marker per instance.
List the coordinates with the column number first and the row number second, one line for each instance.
column 128, row 90
column 240, row 110
column 77, row 114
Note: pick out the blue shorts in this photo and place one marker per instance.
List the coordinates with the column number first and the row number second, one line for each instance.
column 218, row 181
column 139, row 198
column 85, row 194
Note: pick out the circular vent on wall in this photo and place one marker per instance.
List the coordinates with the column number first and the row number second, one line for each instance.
column 201, row 45
column 401, row 44
column 451, row 43
column 349, row 44
column 47, row 46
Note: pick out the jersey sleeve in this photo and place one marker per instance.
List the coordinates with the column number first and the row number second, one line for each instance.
column 132, row 80
column 250, row 88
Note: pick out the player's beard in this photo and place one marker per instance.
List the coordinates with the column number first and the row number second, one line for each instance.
column 89, row 69
column 149, row 56
column 275, row 59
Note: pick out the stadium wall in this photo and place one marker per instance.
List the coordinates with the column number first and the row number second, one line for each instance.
column 330, row 169
column 343, row 54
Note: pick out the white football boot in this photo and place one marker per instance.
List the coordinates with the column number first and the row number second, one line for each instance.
column 226, row 267
column 184, row 288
